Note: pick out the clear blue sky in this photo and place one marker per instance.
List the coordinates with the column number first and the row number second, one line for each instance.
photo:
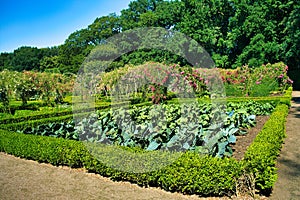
column 43, row 23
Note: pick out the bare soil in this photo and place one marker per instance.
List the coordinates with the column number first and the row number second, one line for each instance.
column 244, row 141
column 25, row 179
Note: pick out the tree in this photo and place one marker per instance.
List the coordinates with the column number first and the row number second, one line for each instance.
column 49, row 63
column 138, row 12
column 233, row 32
column 26, row 58
column 103, row 28
column 5, row 59
column 291, row 38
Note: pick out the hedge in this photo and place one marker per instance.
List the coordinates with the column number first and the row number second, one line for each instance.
column 190, row 173
column 34, row 123
column 56, row 151
column 98, row 106
column 260, row 157
column 51, row 114
column 284, row 99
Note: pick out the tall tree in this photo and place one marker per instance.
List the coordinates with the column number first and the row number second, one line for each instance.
column 26, row 58
column 140, row 13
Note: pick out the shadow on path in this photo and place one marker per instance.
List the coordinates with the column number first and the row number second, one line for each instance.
column 287, row 186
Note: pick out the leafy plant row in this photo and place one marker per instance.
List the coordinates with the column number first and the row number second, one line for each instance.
column 64, row 130
column 16, row 119
column 34, row 123
column 168, row 127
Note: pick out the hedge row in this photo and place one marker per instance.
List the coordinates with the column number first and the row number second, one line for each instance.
column 56, row 151
column 284, row 99
column 51, row 114
column 34, row 123
column 190, row 173
column 260, row 157
column 98, row 106
column 17, row 106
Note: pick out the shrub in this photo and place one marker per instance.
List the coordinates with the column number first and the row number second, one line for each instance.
column 34, row 123
column 190, row 174
column 260, row 157
column 55, row 151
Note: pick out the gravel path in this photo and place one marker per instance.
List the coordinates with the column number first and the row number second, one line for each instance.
column 287, row 186
column 25, row 179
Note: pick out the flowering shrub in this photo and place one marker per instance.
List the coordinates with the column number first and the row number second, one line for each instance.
column 261, row 81
column 157, row 80
column 28, row 84
column 4, row 89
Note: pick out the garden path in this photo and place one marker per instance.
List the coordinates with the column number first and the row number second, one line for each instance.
column 26, row 179
column 287, row 186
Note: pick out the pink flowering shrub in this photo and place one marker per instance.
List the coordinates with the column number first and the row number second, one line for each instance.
column 156, row 81
column 259, row 81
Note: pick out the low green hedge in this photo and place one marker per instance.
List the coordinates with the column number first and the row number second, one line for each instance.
column 16, row 119
column 18, row 106
column 260, row 157
column 189, row 174
column 283, row 99
column 34, row 123
column 56, row 151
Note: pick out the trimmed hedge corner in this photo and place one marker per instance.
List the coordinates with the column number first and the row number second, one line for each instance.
column 56, row 151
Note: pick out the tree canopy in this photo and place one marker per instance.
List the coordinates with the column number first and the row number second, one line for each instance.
column 233, row 32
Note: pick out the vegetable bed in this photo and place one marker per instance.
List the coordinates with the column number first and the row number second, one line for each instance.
column 194, row 172
column 198, row 128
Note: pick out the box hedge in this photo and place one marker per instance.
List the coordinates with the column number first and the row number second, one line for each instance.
column 260, row 157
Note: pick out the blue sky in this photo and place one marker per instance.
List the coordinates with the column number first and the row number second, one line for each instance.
column 43, row 23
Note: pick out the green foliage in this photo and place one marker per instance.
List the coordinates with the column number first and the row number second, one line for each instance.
column 234, row 33
column 56, row 151
column 4, row 99
column 34, row 123
column 260, row 81
column 26, row 58
column 49, row 63
column 147, row 131
column 252, row 107
column 33, row 107
column 50, row 87
column 260, row 157
column 210, row 176
column 191, row 173
column 60, row 130
column 186, row 81
column 114, row 128
column 5, row 90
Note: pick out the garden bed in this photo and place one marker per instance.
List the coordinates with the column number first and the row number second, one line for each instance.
column 244, row 141
column 211, row 176
column 191, row 173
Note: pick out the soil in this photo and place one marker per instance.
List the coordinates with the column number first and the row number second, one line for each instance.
column 25, row 179
column 244, row 141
